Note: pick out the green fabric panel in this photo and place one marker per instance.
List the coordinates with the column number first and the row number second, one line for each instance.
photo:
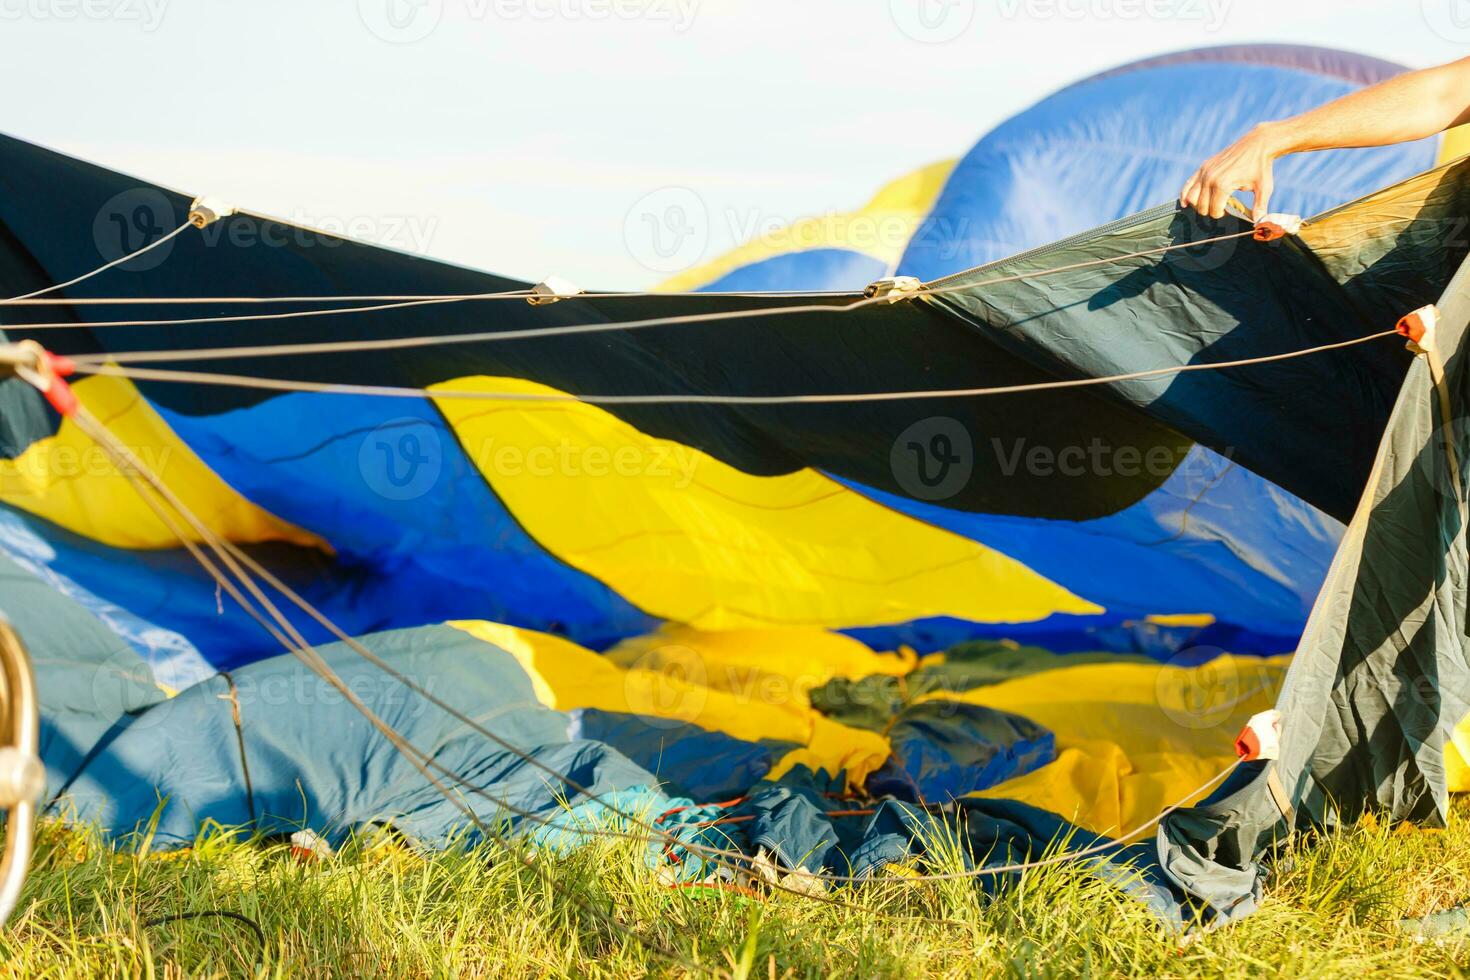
column 874, row 702
column 24, row 417
column 1220, row 301
column 981, row 663
column 1381, row 676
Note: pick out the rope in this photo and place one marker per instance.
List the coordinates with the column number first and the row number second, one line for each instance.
column 225, row 548
column 136, row 471
column 507, row 294
column 436, row 340
column 285, row 632
column 309, row 656
column 88, row 365
column 1065, row 856
column 512, row 294
column 732, row 859
column 245, row 920
column 294, row 315
column 99, row 270
column 525, row 334
column 14, row 355
column 143, row 479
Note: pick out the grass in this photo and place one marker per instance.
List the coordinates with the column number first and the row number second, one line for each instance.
column 379, row 908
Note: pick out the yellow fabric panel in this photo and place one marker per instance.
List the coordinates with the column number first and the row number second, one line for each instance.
column 1455, row 144
column 1099, row 788
column 833, row 747
column 1131, row 738
column 1081, row 784
column 1457, row 758
column 67, row 480
column 567, row 676
column 691, row 539
column 1182, row 619
column 882, row 229
column 1367, row 228
column 766, row 663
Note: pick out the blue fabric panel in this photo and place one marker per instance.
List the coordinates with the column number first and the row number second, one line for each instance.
column 314, row 761
column 417, row 530
column 790, row 823
column 62, row 562
column 1215, row 538
column 943, row 750
column 689, row 760
column 1110, row 147
column 87, row 676
column 166, row 607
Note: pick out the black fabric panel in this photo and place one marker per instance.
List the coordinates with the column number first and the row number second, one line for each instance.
column 1310, row 425
column 897, row 347
column 1382, row 675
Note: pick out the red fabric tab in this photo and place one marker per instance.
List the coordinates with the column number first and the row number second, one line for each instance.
column 1248, row 744
column 61, row 397
column 1411, row 326
column 62, row 367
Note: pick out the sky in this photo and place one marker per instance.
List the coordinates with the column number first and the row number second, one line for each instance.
column 527, row 137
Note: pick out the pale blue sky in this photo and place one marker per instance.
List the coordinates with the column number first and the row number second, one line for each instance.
column 516, row 135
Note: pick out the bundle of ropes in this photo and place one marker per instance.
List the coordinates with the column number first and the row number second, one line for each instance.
column 252, row 586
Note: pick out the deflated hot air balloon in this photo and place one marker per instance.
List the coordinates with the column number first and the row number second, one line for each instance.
column 1098, row 150
column 797, row 576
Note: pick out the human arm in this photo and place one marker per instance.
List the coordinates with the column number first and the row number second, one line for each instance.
column 1404, row 108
